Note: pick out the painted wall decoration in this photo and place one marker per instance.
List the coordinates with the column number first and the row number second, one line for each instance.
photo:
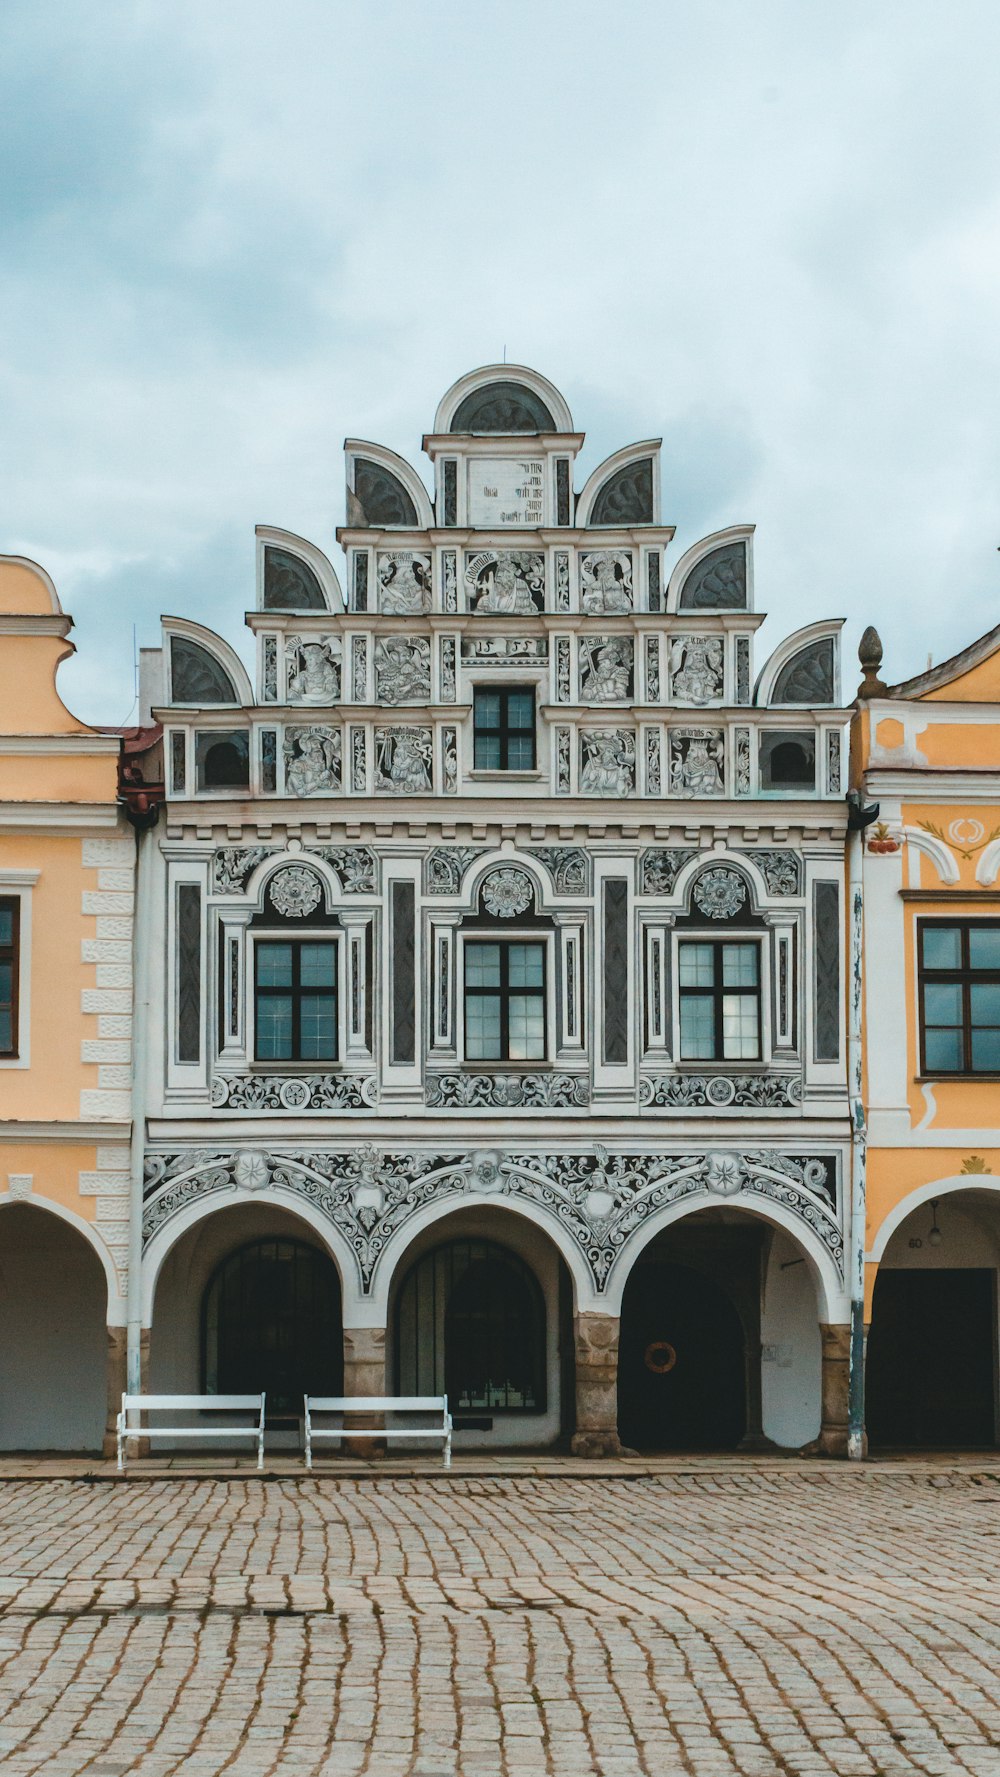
column 721, row 1092
column 449, row 580
column 447, row 668
column 404, row 582
column 606, row 667
column 601, row 1200
column 294, row 891
column 696, row 668
column 360, row 669
column 607, row 766
column 782, row 870
column 809, row 677
column 196, row 676
column 659, row 869
column 606, row 582
column 312, row 761
column 505, row 650
column 445, row 866
column 312, row 669
column 718, row 582
column 402, row 669
column 627, row 496
column 403, row 760
column 290, row 583
column 697, row 761
column 506, row 893
column 562, row 580
column 719, row 893
column 568, row 865
column 652, row 669
column 654, row 775
column 506, row 582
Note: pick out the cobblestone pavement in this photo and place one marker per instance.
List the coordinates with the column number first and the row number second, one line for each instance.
column 752, row 1622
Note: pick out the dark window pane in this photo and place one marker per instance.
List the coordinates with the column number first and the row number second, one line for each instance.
column 985, row 1002
column 487, row 709
column 520, row 752
column 697, row 1027
column 942, row 946
column 274, row 965
column 521, row 709
column 274, row 1027
column 6, row 925
column 482, row 965
column 6, row 1031
column 6, row 981
column 487, row 752
column 984, row 947
column 739, row 965
column 943, row 1002
column 943, row 1051
column 318, row 1039
column 986, row 1051
column 482, row 1027
column 317, row 965
column 526, row 965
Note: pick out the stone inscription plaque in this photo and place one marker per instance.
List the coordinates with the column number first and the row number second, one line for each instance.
column 506, row 491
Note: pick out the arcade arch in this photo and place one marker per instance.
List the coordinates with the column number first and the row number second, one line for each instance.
column 54, row 1375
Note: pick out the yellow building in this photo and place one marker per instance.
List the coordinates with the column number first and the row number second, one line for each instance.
column 928, row 752
column 66, row 881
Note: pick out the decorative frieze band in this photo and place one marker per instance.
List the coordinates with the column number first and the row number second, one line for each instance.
column 601, row 1200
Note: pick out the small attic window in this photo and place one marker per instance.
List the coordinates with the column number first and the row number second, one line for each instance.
column 788, row 761
column 222, row 760
column 503, row 407
column 196, row 676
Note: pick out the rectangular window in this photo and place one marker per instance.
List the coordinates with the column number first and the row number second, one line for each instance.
column 959, row 976
column 504, row 1001
column 296, row 1001
column 10, row 911
column 504, row 724
column 719, row 991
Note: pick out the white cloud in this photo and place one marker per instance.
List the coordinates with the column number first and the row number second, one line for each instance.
column 237, row 232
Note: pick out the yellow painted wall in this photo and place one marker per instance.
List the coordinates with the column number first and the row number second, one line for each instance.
column 55, row 1168
column 42, row 777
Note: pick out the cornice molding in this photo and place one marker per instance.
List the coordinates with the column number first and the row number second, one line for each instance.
column 49, row 745
column 12, row 1131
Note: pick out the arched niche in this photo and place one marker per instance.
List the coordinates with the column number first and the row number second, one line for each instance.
column 384, row 491
column 293, row 575
column 506, row 399
column 624, row 490
column 715, row 574
column 203, row 669
column 804, row 670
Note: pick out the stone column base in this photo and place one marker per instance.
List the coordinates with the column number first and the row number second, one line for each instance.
column 117, row 1374
column 364, row 1373
column 596, row 1339
column 835, row 1383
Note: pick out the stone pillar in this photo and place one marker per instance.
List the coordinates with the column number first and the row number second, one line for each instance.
column 836, row 1339
column 364, row 1374
column 117, row 1373
column 596, row 1338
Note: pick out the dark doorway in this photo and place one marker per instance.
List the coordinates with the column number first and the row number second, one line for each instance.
column 272, row 1322
column 682, row 1362
column 470, row 1323
column 932, row 1358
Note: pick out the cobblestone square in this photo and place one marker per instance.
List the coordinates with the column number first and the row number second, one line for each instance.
column 759, row 1621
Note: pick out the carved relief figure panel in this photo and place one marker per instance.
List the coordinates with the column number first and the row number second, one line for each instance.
column 697, row 761
column 403, row 760
column 605, row 669
column 312, row 761
column 607, row 764
column 403, row 670
column 696, row 669
column 606, row 582
column 506, row 582
column 313, row 669
column 404, row 582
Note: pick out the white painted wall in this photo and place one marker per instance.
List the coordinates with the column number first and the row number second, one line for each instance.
column 791, row 1348
column 53, row 1335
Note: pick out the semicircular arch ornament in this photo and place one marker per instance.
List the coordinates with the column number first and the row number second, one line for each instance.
column 295, row 892
column 720, row 893
column 503, row 407
column 507, row 892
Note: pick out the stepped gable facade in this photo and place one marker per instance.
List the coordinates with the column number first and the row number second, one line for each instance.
column 496, row 963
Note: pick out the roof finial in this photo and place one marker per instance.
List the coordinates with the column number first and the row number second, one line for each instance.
column 870, row 656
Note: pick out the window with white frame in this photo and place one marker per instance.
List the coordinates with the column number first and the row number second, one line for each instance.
column 295, row 999
column 504, row 999
column 719, row 999
column 10, row 958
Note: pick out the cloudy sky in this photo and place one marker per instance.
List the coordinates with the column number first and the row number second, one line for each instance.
column 234, row 232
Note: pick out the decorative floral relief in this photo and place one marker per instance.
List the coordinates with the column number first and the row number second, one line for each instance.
column 445, row 866
column 312, row 667
column 742, row 762
column 608, row 764
column 404, row 582
column 507, row 582
column 606, row 582
column 653, row 779
column 360, row 650
column 833, row 764
column 403, row 760
column 652, row 669
column 403, row 670
column 562, row 581
column 782, row 870
column 283, row 1092
column 448, row 687
column 295, row 892
column 600, row 1200
column 505, row 650
column 696, row 670
column 270, row 673
column 359, row 770
column 312, row 761
column 720, row 894
column 720, row 1092
column 660, row 869
column 743, row 669
column 568, row 866
column 507, row 893
column 562, row 761
column 605, row 669
column 449, row 574
column 506, row 1091
column 563, row 691
column 697, row 758
column 233, row 866
column 449, row 759
column 356, row 866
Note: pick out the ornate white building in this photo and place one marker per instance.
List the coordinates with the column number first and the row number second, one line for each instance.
column 494, row 987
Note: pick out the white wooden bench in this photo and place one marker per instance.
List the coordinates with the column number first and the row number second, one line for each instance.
column 175, row 1404
column 427, row 1404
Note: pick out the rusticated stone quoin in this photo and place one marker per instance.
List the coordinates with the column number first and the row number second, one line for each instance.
column 596, row 1340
